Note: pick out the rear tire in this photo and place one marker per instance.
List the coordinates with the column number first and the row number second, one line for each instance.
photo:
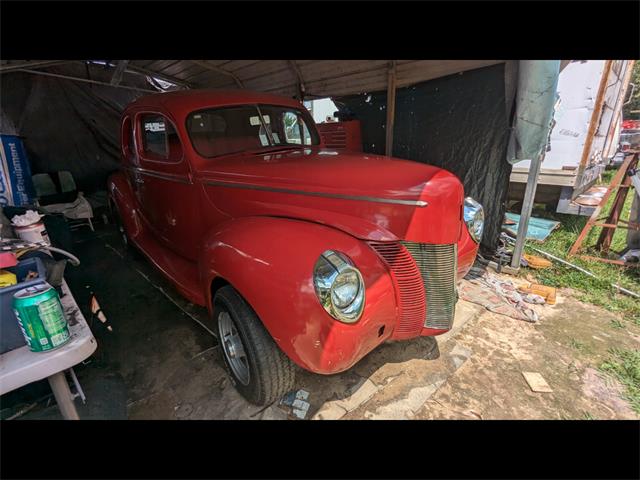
column 257, row 367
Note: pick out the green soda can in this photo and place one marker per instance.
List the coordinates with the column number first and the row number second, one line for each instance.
column 41, row 317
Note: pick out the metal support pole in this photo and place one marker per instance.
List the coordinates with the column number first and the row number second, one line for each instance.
column 391, row 107
column 64, row 398
column 525, row 213
column 119, row 72
column 84, row 80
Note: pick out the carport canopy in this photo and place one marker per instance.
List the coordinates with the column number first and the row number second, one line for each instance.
column 309, row 79
column 312, row 78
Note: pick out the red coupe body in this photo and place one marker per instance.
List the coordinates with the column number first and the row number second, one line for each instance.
column 258, row 216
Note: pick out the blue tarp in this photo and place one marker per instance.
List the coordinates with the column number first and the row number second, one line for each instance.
column 538, row 229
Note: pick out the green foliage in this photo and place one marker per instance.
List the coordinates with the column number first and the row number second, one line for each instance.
column 596, row 291
column 624, row 365
column 634, row 104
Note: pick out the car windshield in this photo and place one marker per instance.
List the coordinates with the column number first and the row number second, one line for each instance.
column 226, row 130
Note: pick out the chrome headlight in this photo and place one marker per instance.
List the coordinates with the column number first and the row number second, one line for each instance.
column 474, row 218
column 339, row 286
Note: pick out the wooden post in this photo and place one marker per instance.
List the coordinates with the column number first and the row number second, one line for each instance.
column 391, row 107
column 595, row 121
column 626, row 78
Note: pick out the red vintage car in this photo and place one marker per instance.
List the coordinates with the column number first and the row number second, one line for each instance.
column 303, row 255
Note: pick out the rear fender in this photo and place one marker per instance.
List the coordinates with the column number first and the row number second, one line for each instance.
column 270, row 262
column 123, row 199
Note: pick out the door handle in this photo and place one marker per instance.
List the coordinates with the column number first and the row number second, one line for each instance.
column 139, row 180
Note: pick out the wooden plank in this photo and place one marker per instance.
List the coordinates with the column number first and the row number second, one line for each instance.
column 562, row 178
column 607, row 260
column 418, row 71
column 604, row 240
column 595, row 120
column 618, row 106
column 536, row 382
column 626, row 226
column 615, row 182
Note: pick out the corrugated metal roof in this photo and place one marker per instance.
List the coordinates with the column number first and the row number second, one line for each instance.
column 320, row 78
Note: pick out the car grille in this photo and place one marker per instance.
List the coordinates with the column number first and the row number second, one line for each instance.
column 425, row 275
column 409, row 285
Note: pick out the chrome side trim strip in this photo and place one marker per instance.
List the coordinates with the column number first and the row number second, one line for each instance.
column 164, row 176
column 412, row 203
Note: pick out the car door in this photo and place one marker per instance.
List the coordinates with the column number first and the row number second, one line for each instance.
column 167, row 194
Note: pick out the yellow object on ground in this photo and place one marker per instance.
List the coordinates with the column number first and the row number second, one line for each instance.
column 7, row 279
column 548, row 293
column 536, row 262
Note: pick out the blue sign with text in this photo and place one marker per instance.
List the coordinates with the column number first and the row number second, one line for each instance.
column 16, row 186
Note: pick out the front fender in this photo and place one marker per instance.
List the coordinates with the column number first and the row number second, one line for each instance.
column 270, row 262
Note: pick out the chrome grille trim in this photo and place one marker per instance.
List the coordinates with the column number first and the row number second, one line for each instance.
column 409, row 288
column 438, row 265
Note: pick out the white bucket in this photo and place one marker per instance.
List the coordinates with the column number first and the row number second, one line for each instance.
column 35, row 233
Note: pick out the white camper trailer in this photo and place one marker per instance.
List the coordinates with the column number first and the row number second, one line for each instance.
column 584, row 138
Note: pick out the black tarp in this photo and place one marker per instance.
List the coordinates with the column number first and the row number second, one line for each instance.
column 68, row 125
column 459, row 123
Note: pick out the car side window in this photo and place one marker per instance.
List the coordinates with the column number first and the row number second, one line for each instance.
column 295, row 129
column 160, row 141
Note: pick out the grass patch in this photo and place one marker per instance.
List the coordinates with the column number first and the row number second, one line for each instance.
column 624, row 365
column 617, row 324
column 596, row 291
column 577, row 345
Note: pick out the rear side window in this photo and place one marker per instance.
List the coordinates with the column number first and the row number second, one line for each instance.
column 160, row 140
column 127, row 140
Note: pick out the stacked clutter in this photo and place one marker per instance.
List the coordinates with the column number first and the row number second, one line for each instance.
column 500, row 296
column 30, row 284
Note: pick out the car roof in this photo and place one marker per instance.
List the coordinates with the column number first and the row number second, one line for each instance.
column 183, row 102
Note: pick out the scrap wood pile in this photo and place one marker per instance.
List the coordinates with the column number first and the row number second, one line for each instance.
column 504, row 296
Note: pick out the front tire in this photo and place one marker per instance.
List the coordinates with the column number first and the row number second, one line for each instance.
column 257, row 367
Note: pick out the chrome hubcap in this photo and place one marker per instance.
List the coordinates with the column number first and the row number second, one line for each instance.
column 233, row 348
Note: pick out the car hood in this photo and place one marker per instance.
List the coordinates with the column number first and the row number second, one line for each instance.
column 369, row 196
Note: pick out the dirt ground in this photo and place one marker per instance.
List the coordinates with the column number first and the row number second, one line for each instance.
column 566, row 347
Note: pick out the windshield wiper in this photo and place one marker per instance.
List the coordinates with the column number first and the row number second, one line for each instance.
column 275, row 149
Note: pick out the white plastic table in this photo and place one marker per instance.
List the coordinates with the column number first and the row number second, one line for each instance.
column 21, row 366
